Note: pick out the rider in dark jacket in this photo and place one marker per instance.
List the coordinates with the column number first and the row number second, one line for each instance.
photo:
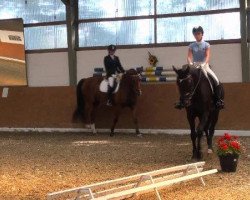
column 112, row 66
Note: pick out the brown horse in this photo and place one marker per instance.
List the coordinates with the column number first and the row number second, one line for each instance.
column 90, row 97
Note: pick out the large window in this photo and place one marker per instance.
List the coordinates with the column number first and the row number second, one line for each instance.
column 39, row 11
column 46, row 37
column 179, row 6
column 90, row 9
column 131, row 22
column 216, row 26
column 124, row 22
column 116, row 32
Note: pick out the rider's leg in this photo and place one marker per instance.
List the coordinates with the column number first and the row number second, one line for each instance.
column 218, row 89
column 110, row 90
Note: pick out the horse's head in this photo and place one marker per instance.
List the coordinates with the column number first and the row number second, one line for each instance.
column 185, row 84
column 135, row 81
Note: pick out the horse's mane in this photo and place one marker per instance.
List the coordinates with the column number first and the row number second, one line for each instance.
column 193, row 71
column 131, row 72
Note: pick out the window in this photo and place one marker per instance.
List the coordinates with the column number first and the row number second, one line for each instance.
column 33, row 11
column 39, row 11
column 46, row 37
column 116, row 32
column 90, row 9
column 216, row 27
column 180, row 6
column 99, row 25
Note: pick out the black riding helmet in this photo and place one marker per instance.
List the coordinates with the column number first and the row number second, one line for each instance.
column 198, row 29
column 111, row 47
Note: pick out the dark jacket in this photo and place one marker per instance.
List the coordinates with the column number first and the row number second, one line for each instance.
column 112, row 65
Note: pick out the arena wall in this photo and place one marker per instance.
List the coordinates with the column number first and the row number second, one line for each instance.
column 225, row 59
column 51, row 69
column 53, row 107
column 47, row 69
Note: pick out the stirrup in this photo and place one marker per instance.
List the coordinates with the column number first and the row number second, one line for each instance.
column 109, row 103
column 179, row 105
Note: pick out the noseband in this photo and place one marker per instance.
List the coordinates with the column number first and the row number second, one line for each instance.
column 196, row 86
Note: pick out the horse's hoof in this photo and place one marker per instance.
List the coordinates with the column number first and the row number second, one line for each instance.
column 209, row 151
column 199, row 156
column 87, row 126
column 139, row 135
column 112, row 134
column 193, row 158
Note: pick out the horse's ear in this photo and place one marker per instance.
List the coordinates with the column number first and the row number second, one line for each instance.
column 187, row 69
column 174, row 68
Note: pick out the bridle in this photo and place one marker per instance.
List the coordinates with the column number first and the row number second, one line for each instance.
column 196, row 86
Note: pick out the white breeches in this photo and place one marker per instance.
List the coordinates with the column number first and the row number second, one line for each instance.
column 207, row 70
column 111, row 81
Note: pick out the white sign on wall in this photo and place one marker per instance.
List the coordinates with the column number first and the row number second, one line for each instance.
column 13, row 37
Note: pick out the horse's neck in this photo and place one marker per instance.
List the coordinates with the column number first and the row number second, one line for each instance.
column 203, row 90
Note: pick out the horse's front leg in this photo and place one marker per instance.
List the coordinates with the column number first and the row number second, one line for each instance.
column 214, row 119
column 135, row 120
column 117, row 114
column 193, row 134
column 200, row 130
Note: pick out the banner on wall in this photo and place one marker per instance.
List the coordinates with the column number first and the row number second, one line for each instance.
column 12, row 53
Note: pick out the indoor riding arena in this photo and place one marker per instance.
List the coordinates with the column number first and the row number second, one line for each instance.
column 125, row 99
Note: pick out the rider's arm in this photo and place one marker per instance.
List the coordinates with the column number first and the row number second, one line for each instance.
column 190, row 56
column 119, row 66
column 207, row 55
column 106, row 65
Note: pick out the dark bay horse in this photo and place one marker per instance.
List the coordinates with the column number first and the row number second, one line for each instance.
column 199, row 102
column 90, row 97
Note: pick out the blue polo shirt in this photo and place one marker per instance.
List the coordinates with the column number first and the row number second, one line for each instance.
column 199, row 50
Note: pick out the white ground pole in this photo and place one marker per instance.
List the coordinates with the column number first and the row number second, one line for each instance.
column 132, row 131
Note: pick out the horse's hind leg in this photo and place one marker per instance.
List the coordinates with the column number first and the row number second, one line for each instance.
column 135, row 119
column 92, row 125
column 89, row 118
column 117, row 114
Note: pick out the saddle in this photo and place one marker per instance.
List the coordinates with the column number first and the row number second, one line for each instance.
column 104, row 84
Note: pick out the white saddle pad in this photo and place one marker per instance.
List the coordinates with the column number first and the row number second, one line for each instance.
column 104, row 86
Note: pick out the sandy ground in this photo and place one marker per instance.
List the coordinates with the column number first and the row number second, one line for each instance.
column 33, row 164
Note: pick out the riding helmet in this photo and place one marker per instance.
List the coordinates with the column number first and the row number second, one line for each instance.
column 111, row 47
column 198, row 29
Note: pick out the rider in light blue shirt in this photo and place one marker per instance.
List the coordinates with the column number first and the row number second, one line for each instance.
column 199, row 51
column 199, row 56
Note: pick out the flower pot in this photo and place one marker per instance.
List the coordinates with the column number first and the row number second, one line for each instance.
column 229, row 162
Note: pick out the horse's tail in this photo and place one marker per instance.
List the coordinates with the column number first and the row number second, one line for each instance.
column 79, row 111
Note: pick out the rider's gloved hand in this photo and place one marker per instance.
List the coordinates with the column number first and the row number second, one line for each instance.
column 203, row 64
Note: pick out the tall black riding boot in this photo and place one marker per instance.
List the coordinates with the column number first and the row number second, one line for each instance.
column 219, row 97
column 110, row 91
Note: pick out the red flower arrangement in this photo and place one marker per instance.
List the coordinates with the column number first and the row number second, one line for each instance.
column 228, row 144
